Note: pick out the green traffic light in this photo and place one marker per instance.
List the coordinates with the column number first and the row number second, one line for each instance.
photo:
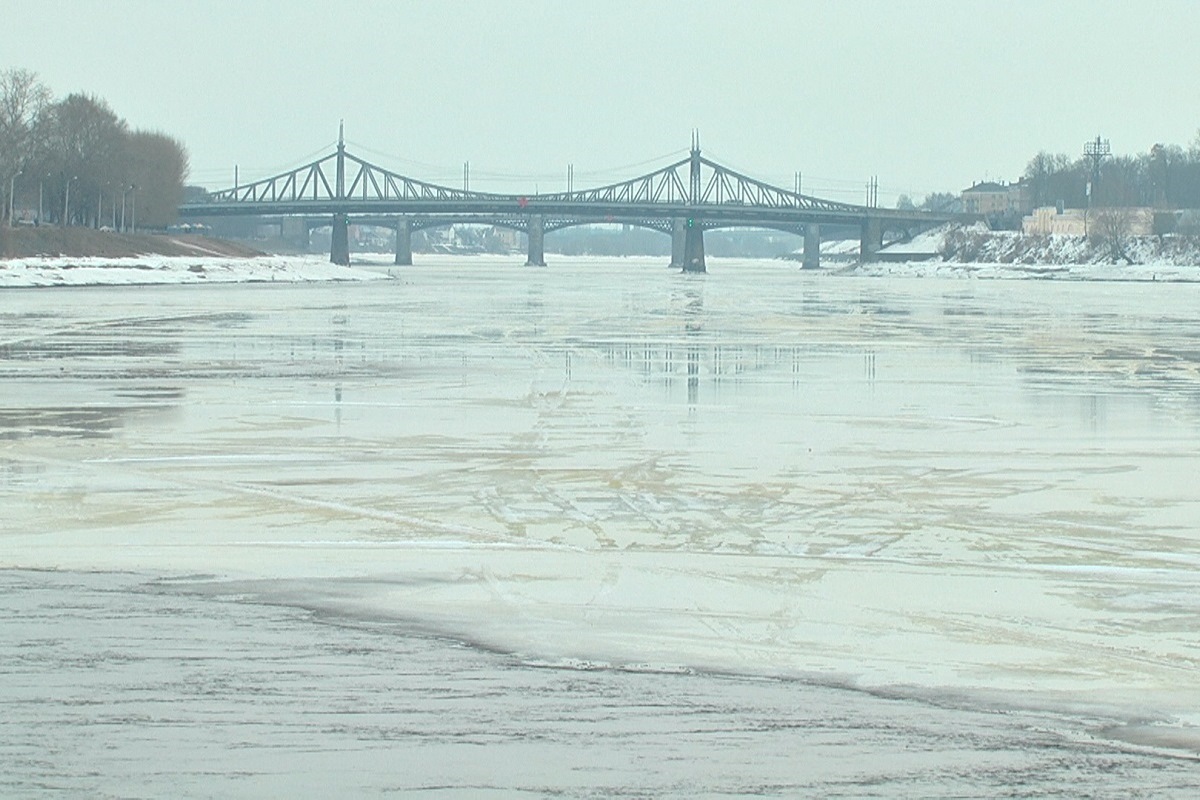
column 691, row 223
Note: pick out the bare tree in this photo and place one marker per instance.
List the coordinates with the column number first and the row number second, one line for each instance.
column 941, row 201
column 1126, row 182
column 1042, row 173
column 1110, row 231
column 84, row 147
column 158, row 166
column 23, row 101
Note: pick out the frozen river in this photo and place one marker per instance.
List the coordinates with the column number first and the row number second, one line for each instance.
column 601, row 529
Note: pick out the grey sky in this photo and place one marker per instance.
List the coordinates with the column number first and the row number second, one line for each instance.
column 928, row 96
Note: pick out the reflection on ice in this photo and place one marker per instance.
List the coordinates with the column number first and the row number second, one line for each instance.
column 916, row 486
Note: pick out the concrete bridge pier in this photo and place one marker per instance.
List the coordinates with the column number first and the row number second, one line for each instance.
column 678, row 238
column 294, row 232
column 871, row 240
column 812, row 246
column 403, row 242
column 339, row 250
column 536, row 233
column 693, row 247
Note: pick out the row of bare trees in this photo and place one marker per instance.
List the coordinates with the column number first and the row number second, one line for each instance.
column 74, row 161
column 1167, row 176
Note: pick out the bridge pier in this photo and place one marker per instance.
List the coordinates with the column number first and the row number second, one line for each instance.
column 871, row 240
column 403, row 242
column 535, row 231
column 339, row 249
column 678, row 238
column 693, row 247
column 812, row 246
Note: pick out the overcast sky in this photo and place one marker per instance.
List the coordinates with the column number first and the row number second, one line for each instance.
column 929, row 96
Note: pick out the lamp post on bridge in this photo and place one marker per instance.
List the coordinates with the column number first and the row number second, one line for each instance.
column 11, row 188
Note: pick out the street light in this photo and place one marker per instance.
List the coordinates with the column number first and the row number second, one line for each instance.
column 40, row 184
column 11, row 185
column 66, row 220
column 132, row 187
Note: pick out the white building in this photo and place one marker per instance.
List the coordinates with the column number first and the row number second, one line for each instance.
column 1048, row 220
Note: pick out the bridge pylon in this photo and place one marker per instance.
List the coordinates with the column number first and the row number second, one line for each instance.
column 535, row 232
column 403, row 242
column 871, row 239
column 693, row 246
column 678, row 239
column 339, row 239
column 812, row 246
column 339, row 248
column 693, row 231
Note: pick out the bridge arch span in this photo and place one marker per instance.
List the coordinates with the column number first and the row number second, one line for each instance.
column 684, row 198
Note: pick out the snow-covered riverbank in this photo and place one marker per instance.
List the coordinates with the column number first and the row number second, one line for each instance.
column 936, row 268
column 978, row 244
column 977, row 252
column 155, row 269
column 46, row 271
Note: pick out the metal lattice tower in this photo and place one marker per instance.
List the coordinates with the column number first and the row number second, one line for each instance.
column 1096, row 150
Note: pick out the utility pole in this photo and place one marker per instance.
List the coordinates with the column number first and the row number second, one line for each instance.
column 873, row 192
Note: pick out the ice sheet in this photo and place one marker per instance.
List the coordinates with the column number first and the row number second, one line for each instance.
column 921, row 486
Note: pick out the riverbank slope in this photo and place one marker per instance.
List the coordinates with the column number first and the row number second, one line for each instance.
column 46, row 240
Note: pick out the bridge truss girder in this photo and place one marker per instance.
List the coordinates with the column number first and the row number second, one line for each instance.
column 695, row 188
column 663, row 225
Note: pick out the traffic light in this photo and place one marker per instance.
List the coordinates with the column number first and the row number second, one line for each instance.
column 691, row 222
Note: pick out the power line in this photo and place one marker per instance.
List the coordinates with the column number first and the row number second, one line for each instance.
column 263, row 172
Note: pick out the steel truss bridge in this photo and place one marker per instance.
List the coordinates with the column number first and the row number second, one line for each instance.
column 682, row 200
